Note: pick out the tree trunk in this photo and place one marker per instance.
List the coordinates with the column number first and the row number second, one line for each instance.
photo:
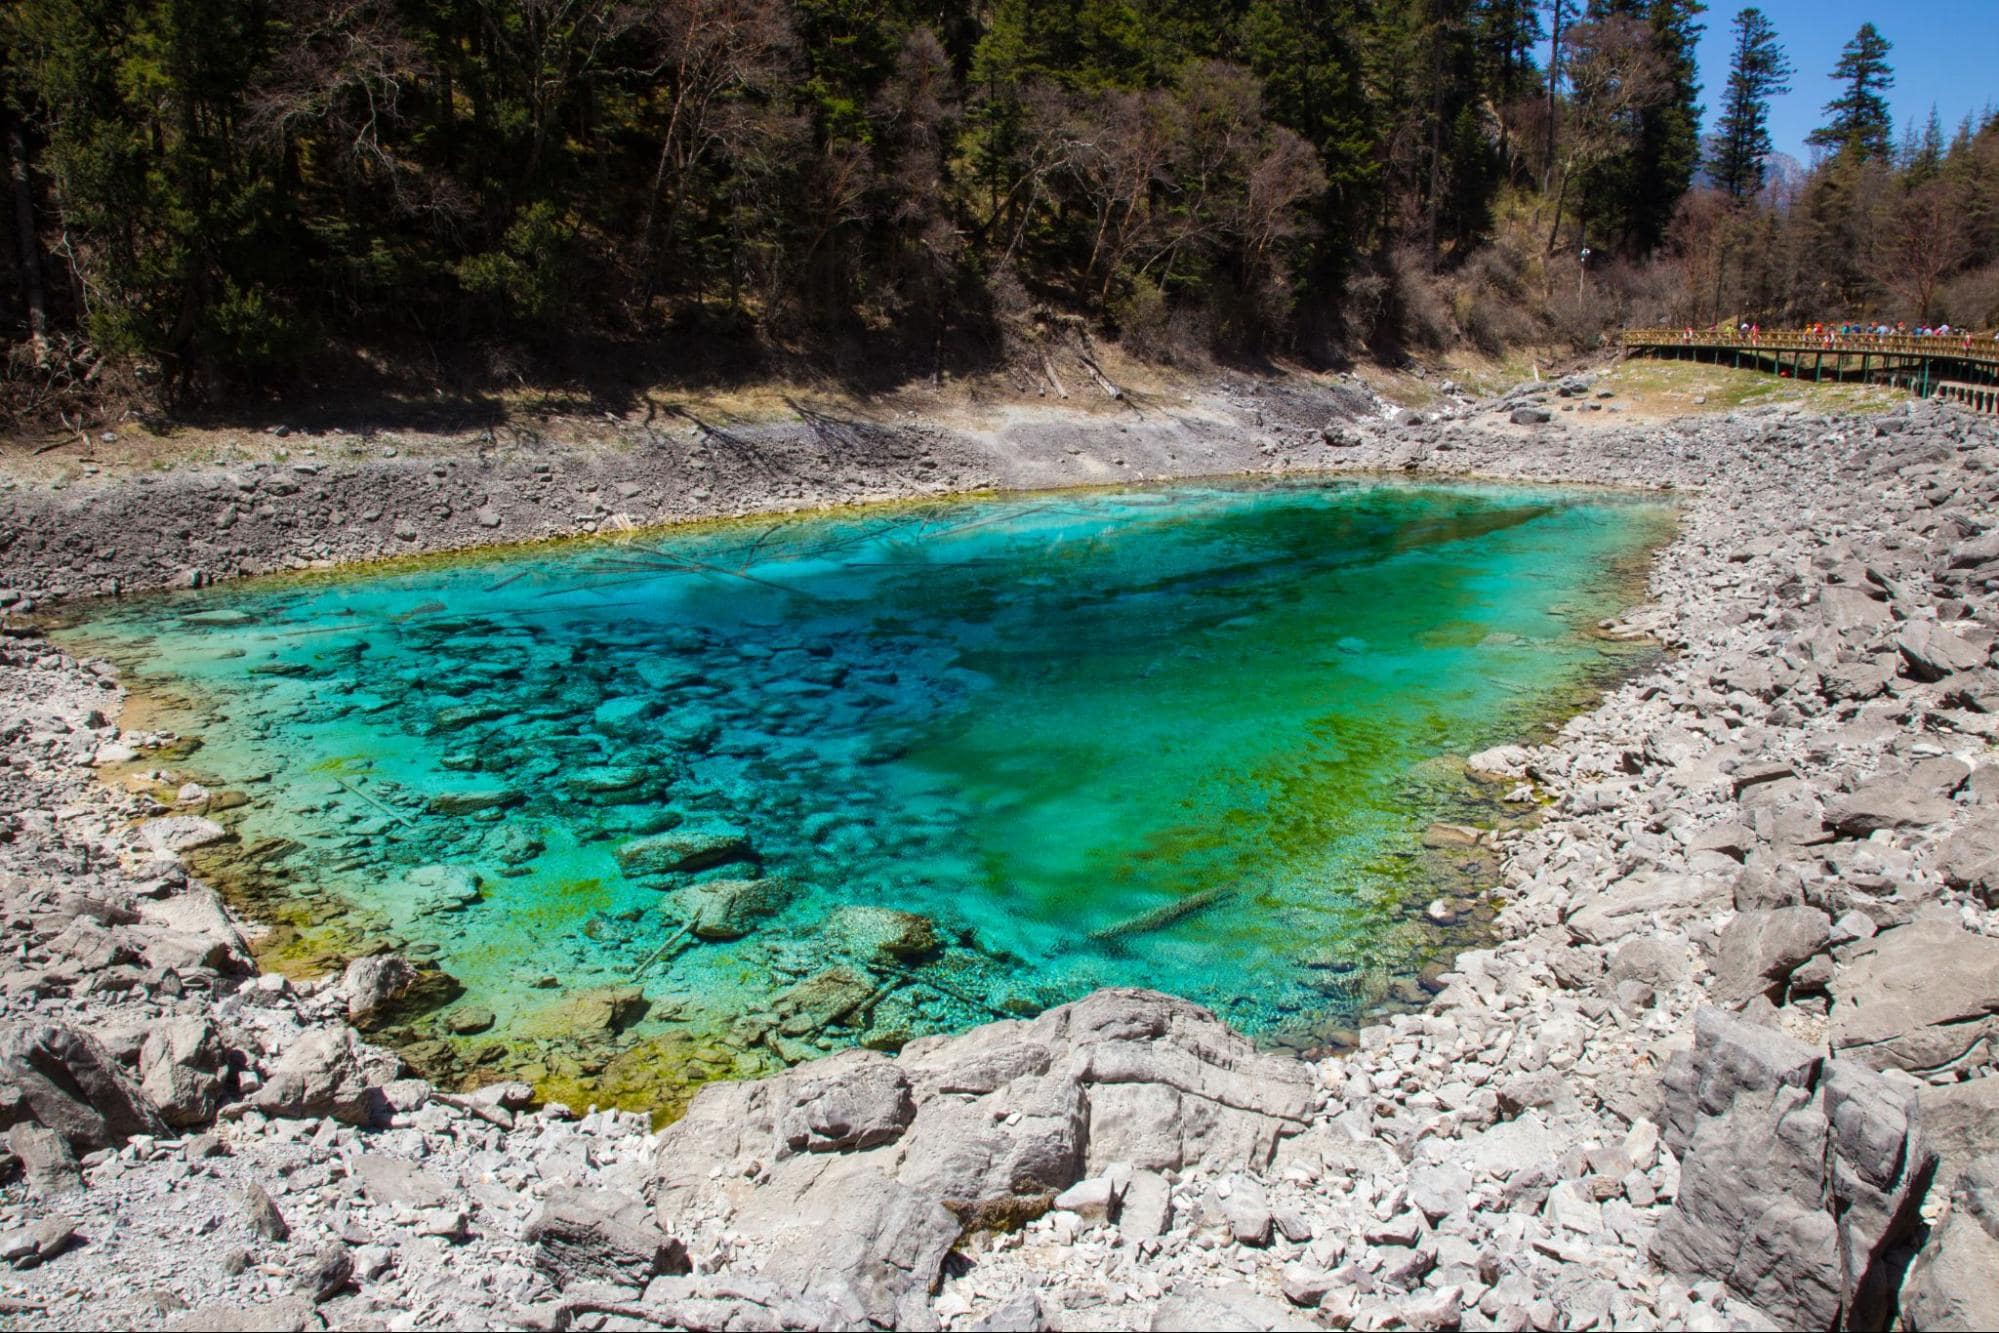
column 1554, row 89
column 24, row 231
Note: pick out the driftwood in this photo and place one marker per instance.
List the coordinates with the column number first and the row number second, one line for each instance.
column 682, row 938
column 396, row 815
column 1097, row 374
column 1159, row 918
column 918, row 979
column 1048, row 369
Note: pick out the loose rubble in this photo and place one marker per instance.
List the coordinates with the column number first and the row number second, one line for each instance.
column 1730, row 1063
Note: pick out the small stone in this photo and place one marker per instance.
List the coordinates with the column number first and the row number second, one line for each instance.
column 1571, row 1207
column 1247, row 1209
column 327, row 1273
column 263, row 1215
column 469, row 1019
column 1094, row 1200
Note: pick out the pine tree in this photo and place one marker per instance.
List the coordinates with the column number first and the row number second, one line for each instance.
column 1508, row 31
column 1630, row 196
column 1758, row 70
column 1668, row 146
column 1922, row 151
column 1860, row 122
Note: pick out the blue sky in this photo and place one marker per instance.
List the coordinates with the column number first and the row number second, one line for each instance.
column 1946, row 52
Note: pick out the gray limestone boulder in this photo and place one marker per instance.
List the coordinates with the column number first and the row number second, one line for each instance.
column 1922, row 997
column 321, row 1075
column 180, row 1069
column 1637, row 904
column 850, row 1101
column 1954, row 1282
column 373, row 984
column 1757, row 951
column 59, row 1078
column 594, row 1235
column 1246, row 1208
column 1853, row 608
column 1969, row 858
column 1659, row 963
column 1891, row 801
column 1933, row 652
column 168, row 837
column 47, row 1160
column 985, row 1128
column 838, row 1226
column 1501, row 763
column 1961, row 1121
column 1798, row 1176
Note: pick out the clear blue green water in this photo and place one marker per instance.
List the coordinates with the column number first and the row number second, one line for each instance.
column 907, row 768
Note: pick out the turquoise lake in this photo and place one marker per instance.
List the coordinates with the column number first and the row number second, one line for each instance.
column 695, row 802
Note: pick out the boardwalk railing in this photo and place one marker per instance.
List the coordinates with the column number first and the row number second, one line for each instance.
column 1962, row 367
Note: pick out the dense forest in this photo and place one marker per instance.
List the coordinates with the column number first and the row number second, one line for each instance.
column 213, row 197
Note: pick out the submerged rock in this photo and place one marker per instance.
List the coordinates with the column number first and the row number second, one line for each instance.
column 473, row 802
column 885, row 932
column 626, row 717
column 728, row 909
column 590, row 1013
column 821, row 1000
column 685, row 850
column 436, row 888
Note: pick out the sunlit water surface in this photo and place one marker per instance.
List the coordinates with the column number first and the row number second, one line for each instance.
column 695, row 803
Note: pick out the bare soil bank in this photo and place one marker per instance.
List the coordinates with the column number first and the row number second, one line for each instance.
column 334, row 499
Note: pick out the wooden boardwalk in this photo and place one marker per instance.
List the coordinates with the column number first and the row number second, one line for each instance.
column 1963, row 368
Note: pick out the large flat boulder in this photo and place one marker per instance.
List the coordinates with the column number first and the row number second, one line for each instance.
column 1961, row 1121
column 1637, row 904
column 1799, row 1174
column 1932, row 652
column 1891, row 801
column 1922, row 997
column 1758, row 951
column 867, row 1169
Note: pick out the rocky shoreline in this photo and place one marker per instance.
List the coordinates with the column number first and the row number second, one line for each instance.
column 1730, row 1067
